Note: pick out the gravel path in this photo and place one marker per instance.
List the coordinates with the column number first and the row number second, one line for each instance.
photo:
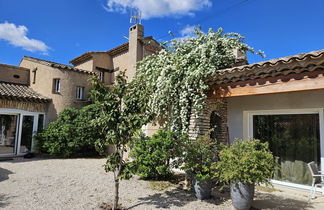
column 83, row 184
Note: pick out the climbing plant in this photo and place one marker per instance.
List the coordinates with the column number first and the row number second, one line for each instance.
column 174, row 79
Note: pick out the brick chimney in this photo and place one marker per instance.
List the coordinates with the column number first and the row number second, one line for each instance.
column 135, row 50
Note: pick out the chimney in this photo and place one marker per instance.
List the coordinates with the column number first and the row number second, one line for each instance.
column 135, row 49
column 240, row 57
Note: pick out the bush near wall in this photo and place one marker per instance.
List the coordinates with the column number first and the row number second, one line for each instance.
column 70, row 135
column 152, row 155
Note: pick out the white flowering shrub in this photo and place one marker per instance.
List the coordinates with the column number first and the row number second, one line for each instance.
column 174, row 79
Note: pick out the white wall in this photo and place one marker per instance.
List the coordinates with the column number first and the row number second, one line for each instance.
column 298, row 100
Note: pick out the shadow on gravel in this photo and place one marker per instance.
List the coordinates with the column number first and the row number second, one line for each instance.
column 173, row 198
column 4, row 201
column 4, row 175
column 269, row 201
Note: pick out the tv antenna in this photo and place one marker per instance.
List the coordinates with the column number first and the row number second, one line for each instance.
column 135, row 16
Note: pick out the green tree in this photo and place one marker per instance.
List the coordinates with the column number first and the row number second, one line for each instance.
column 175, row 78
column 69, row 135
column 121, row 114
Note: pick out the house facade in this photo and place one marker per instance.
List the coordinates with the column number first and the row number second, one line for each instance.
column 22, row 111
column 69, row 85
column 35, row 92
column 280, row 101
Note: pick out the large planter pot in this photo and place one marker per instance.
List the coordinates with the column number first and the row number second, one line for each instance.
column 242, row 195
column 202, row 189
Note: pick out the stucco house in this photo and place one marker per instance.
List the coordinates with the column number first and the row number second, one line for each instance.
column 280, row 101
column 68, row 86
column 33, row 93
column 22, row 111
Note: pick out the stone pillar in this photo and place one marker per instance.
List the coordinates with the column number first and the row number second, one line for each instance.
column 200, row 125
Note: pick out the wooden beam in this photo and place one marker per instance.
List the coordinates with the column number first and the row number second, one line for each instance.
column 289, row 83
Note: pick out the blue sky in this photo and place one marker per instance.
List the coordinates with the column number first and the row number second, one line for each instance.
column 63, row 29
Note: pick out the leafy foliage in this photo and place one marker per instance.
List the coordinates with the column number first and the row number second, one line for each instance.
column 152, row 155
column 174, row 79
column 70, row 135
column 121, row 113
column 199, row 157
column 248, row 161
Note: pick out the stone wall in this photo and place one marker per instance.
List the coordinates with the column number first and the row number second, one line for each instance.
column 201, row 125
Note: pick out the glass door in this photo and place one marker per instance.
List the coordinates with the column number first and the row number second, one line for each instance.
column 294, row 140
column 27, row 133
column 8, row 134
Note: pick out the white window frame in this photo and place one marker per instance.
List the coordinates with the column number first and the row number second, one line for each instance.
column 248, row 133
column 20, row 114
column 101, row 76
column 80, row 93
column 57, row 85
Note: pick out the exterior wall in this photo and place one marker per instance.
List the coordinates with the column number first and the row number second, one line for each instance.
column 69, row 81
column 103, row 60
column 121, row 61
column 297, row 100
column 87, row 65
column 201, row 125
column 23, row 105
column 14, row 74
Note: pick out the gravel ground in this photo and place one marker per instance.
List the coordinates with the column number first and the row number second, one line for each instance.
column 83, row 184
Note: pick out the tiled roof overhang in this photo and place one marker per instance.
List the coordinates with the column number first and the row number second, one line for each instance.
column 20, row 92
column 304, row 62
column 57, row 65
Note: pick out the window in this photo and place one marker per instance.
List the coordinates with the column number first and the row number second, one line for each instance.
column 215, row 125
column 34, row 75
column 294, row 139
column 102, row 76
column 112, row 78
column 56, row 86
column 80, row 93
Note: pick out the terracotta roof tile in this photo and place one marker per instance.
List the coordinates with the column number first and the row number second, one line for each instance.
column 304, row 62
column 57, row 65
column 20, row 92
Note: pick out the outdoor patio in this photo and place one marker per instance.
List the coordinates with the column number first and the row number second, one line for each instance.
column 83, row 184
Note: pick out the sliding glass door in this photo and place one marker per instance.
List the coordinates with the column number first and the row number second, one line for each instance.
column 26, row 134
column 8, row 134
column 17, row 130
column 294, row 140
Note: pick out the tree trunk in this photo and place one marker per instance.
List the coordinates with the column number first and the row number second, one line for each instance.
column 116, row 193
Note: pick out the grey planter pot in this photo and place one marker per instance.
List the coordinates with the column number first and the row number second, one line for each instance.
column 242, row 195
column 202, row 189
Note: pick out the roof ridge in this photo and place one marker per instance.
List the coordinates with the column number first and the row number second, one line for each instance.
column 57, row 65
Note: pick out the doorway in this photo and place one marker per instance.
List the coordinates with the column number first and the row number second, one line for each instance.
column 17, row 131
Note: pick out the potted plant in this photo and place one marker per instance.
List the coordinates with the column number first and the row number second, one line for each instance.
column 242, row 165
column 199, row 156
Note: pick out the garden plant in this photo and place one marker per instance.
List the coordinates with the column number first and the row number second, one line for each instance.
column 243, row 165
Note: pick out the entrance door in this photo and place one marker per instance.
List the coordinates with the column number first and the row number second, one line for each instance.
column 294, row 140
column 26, row 134
column 8, row 134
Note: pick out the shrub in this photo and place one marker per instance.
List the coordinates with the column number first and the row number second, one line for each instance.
column 70, row 135
column 248, row 161
column 152, row 155
column 199, row 156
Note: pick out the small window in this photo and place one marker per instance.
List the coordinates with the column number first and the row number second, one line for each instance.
column 80, row 93
column 102, row 76
column 56, row 85
column 16, row 76
column 112, row 78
